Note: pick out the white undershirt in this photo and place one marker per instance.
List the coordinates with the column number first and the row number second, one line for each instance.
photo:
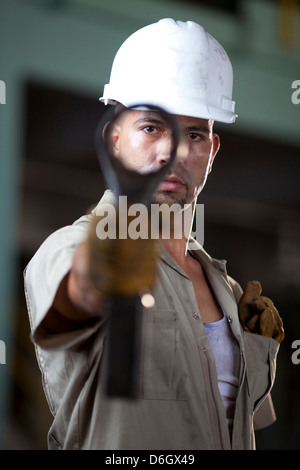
column 227, row 357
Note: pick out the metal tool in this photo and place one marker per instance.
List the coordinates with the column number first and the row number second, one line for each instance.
column 125, row 311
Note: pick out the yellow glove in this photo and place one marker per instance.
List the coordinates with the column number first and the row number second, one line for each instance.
column 258, row 314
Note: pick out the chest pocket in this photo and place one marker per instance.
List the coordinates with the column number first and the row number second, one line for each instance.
column 163, row 375
column 261, row 355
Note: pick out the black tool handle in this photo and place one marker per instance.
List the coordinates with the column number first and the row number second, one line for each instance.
column 124, row 346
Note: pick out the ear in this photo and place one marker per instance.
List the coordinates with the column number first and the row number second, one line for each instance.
column 215, row 149
column 114, row 136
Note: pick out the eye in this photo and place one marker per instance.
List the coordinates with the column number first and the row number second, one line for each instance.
column 150, row 129
column 195, row 136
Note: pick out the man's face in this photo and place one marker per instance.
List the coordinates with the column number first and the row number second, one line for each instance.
column 142, row 140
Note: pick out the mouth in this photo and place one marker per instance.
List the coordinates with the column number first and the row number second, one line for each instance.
column 171, row 183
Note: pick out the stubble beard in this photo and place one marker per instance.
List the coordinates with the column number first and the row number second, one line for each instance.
column 169, row 198
column 172, row 218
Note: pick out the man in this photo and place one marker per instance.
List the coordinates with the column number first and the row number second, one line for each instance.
column 205, row 375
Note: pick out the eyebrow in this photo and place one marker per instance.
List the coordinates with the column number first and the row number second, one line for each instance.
column 197, row 128
column 150, row 120
column 155, row 120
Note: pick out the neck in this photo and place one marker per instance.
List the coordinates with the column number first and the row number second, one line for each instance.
column 176, row 248
column 177, row 243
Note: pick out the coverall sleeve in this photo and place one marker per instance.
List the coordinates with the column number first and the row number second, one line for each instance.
column 42, row 278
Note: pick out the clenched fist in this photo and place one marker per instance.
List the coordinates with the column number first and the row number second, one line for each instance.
column 258, row 314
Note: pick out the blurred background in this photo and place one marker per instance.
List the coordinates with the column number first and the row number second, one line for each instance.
column 55, row 57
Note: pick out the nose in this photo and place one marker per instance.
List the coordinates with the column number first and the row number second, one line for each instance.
column 164, row 150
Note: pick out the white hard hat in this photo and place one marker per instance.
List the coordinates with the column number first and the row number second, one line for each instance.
column 177, row 66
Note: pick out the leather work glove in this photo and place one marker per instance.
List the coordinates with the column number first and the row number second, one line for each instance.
column 258, row 314
column 121, row 266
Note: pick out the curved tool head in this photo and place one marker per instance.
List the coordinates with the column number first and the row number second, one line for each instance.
column 138, row 187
